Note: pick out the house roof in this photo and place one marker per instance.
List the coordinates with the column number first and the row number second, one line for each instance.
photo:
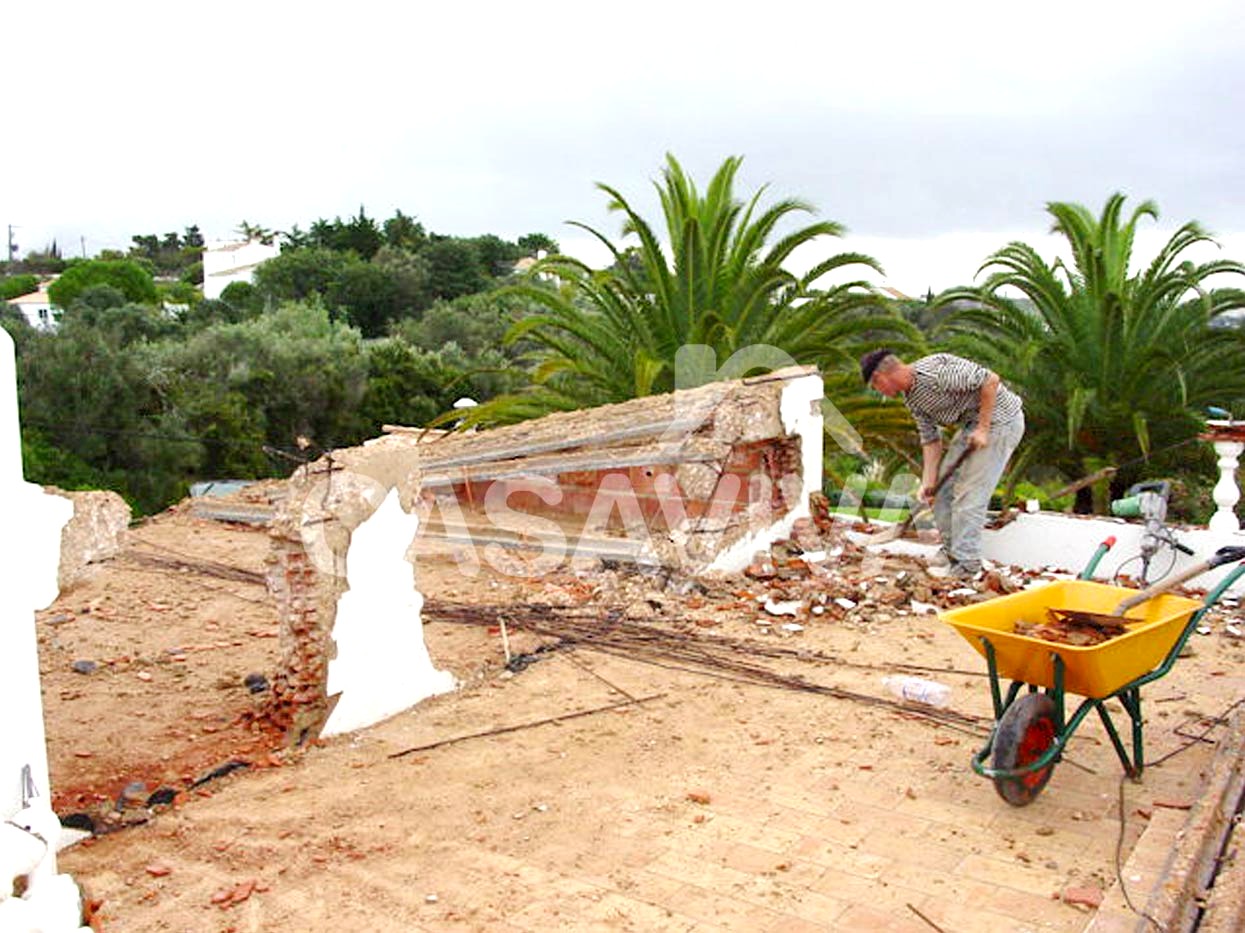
column 38, row 297
column 234, row 270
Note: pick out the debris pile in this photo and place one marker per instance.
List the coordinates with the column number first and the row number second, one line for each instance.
column 819, row 574
column 816, row 576
column 1079, row 629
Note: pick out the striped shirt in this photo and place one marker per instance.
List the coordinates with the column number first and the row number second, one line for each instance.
column 946, row 390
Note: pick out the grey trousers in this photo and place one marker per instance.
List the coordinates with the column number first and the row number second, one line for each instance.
column 960, row 506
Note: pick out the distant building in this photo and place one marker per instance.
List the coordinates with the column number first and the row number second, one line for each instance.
column 224, row 263
column 36, row 307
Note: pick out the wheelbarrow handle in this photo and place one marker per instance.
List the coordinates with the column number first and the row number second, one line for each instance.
column 1225, row 555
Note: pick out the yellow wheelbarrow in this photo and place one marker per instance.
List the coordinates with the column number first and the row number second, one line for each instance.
column 1031, row 730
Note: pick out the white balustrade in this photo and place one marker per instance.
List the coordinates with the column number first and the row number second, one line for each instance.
column 1228, row 439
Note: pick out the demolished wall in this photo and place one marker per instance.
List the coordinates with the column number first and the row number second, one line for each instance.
column 309, row 573
column 698, row 479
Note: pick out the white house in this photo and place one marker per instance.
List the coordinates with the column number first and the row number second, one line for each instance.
column 224, row 263
column 36, row 307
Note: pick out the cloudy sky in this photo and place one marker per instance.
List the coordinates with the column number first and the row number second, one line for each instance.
column 934, row 132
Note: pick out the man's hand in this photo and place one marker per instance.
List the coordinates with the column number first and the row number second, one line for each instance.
column 927, row 493
column 979, row 438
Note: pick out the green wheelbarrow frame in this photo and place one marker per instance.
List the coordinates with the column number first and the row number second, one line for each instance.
column 1015, row 717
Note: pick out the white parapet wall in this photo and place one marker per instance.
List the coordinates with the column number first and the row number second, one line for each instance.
column 1067, row 542
column 29, row 556
column 800, row 410
column 382, row 665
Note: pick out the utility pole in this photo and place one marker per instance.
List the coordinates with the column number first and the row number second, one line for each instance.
column 12, row 245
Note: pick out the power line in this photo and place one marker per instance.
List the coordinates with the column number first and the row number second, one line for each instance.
column 186, row 438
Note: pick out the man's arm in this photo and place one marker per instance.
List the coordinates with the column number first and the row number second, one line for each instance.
column 985, row 412
column 931, row 457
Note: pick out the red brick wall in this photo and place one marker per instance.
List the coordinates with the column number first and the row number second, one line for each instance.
column 653, row 489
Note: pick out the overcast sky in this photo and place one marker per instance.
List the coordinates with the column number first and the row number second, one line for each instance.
column 934, row 132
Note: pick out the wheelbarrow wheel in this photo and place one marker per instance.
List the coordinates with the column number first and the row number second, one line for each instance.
column 1025, row 733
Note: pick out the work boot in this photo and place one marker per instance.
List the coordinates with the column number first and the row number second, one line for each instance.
column 939, row 558
column 956, row 572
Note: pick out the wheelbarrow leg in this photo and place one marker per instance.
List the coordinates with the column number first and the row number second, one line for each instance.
column 1131, row 701
column 1000, row 702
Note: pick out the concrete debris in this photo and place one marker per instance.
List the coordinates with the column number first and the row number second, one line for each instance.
column 94, row 533
column 789, row 607
column 1089, row 896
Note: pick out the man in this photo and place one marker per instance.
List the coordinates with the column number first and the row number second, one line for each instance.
column 943, row 389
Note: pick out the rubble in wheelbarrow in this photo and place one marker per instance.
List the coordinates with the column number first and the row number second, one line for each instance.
column 1079, row 630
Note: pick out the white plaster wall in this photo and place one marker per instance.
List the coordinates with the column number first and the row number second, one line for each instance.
column 382, row 665
column 37, row 314
column 1066, row 542
column 224, row 263
column 800, row 409
column 29, row 556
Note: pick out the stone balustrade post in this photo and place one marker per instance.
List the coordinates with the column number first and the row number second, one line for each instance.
column 1228, row 439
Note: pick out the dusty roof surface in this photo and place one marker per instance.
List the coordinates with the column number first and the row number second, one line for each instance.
column 676, row 781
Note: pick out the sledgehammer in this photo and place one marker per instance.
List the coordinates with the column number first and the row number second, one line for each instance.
column 895, row 532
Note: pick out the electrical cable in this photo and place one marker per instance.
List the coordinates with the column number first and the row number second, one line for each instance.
column 1119, row 842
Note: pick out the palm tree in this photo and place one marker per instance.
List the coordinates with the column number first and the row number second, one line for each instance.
column 614, row 334
column 250, row 231
column 1113, row 365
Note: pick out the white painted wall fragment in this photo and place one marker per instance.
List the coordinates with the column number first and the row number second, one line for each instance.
column 382, row 665
column 29, row 555
column 800, row 410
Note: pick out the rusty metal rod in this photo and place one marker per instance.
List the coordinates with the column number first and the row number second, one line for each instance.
column 502, row 730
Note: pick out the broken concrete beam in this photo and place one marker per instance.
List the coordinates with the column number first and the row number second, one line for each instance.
column 95, row 532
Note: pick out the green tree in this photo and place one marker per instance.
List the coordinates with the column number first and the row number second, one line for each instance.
column 299, row 372
column 14, row 286
column 129, row 277
column 249, row 231
column 192, row 274
column 244, row 299
column 403, row 232
column 474, row 323
column 406, row 385
column 87, row 392
column 1113, row 363
column 370, row 296
column 362, row 235
column 301, row 274
column 533, row 243
column 413, row 275
column 454, row 268
column 121, row 322
column 497, row 257
column 609, row 335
